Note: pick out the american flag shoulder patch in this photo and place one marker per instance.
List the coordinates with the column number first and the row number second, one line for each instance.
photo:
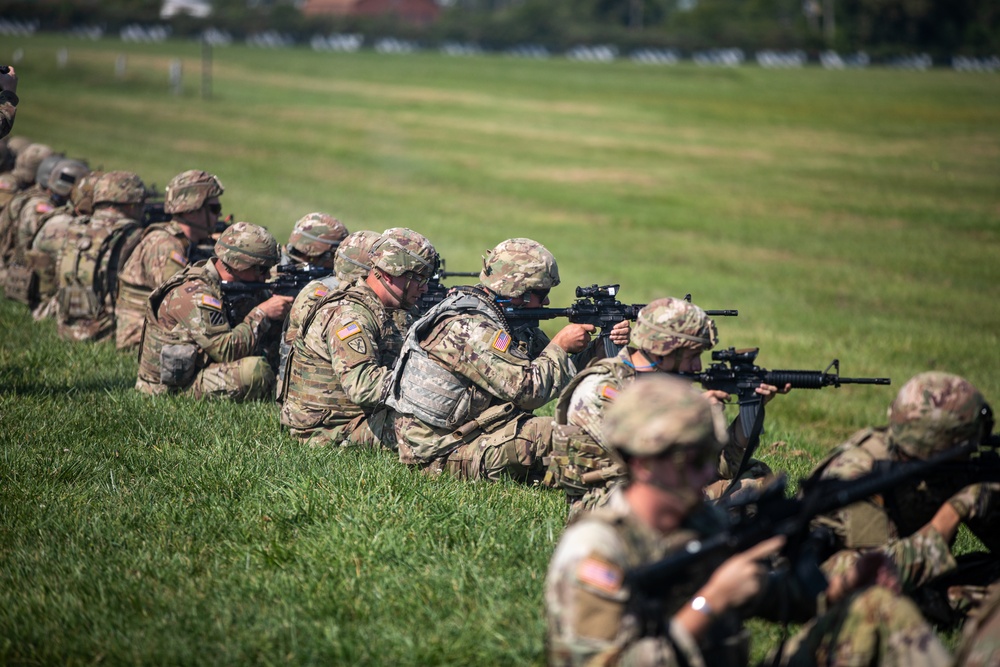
column 600, row 574
column 211, row 301
column 609, row 392
column 349, row 330
column 321, row 292
column 179, row 258
column 501, row 342
column 43, row 207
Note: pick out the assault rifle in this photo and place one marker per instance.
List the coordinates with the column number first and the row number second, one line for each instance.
column 737, row 373
column 436, row 292
column 776, row 514
column 597, row 305
column 290, row 281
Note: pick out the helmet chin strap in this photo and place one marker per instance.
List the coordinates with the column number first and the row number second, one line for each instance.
column 393, row 291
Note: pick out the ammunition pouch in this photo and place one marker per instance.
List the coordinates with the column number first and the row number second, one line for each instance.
column 178, row 364
column 490, row 420
column 21, row 284
column 77, row 302
column 577, row 464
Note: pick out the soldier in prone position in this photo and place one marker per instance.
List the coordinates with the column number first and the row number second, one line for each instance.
column 188, row 345
column 348, row 343
column 467, row 381
column 669, row 437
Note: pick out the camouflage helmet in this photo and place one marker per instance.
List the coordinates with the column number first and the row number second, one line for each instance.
column 245, row 246
column 316, row 234
column 45, row 168
column 119, row 187
column 936, row 411
column 657, row 413
column 27, row 161
column 188, row 190
column 517, row 266
column 399, row 250
column 18, row 144
column 65, row 175
column 353, row 259
column 82, row 195
column 672, row 324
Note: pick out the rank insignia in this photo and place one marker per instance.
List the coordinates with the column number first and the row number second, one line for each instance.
column 179, row 258
column 501, row 342
column 349, row 331
column 211, row 302
column 601, row 575
column 609, row 392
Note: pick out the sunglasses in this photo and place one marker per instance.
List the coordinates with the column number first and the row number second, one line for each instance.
column 418, row 279
column 542, row 294
column 215, row 209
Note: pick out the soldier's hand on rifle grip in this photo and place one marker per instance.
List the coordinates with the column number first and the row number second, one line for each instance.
column 620, row 333
column 574, row 337
column 716, row 396
column 277, row 307
column 769, row 391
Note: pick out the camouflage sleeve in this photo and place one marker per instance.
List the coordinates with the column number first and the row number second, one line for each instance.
column 201, row 314
column 8, row 107
column 352, row 337
column 587, row 607
column 488, row 356
column 164, row 259
column 590, row 399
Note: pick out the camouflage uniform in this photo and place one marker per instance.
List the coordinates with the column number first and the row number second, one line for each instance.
column 350, row 264
column 594, row 618
column 25, row 170
column 897, row 523
column 43, row 255
column 188, row 344
column 8, row 108
column 95, row 248
column 342, row 356
column 31, row 276
column 464, row 390
column 163, row 251
column 980, row 645
column 581, row 462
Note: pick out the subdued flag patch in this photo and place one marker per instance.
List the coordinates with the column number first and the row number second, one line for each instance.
column 501, row 341
column 349, row 330
column 211, row 301
column 609, row 392
column 179, row 258
column 599, row 574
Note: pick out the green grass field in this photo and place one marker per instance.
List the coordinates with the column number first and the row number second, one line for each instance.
column 851, row 214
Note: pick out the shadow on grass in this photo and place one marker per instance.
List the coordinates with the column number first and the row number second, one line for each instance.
column 18, row 380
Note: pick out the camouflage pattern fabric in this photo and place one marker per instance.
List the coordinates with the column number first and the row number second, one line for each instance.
column 188, row 310
column 33, row 212
column 933, row 412
column 304, row 302
column 896, row 523
column 670, row 324
column 9, row 218
column 245, row 246
column 8, row 109
column 314, row 236
column 27, row 162
column 8, row 188
column 509, row 376
column 980, row 645
column 188, row 190
column 583, row 463
column 592, row 618
column 337, row 368
column 43, row 255
column 163, row 252
column 516, row 266
column 87, row 271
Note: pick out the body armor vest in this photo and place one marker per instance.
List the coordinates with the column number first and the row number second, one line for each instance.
column 155, row 336
column 425, row 389
column 133, row 294
column 313, row 393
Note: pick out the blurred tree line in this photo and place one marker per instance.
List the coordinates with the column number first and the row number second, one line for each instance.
column 880, row 27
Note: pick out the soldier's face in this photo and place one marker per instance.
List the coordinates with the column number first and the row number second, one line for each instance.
column 678, row 478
